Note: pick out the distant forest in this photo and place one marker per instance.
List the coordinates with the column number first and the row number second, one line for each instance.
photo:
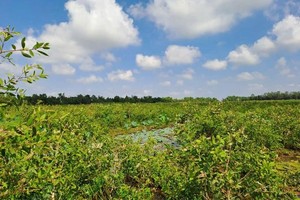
column 267, row 96
column 61, row 99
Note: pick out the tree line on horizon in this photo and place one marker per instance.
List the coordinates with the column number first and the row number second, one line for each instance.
column 295, row 95
column 61, row 99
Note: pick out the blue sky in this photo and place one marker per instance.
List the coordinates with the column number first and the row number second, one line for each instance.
column 171, row 48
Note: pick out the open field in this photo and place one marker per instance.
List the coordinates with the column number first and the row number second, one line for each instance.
column 223, row 150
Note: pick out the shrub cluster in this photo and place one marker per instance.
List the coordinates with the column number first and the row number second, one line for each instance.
column 68, row 153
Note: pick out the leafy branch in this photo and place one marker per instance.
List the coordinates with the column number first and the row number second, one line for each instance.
column 30, row 72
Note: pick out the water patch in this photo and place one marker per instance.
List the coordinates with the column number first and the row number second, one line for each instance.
column 163, row 137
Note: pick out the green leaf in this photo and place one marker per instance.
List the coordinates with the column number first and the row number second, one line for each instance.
column 23, row 42
column 14, row 47
column 25, row 54
column 9, row 74
column 37, row 45
column 39, row 67
column 31, row 53
column 41, row 52
column 8, row 55
column 43, row 75
column 7, row 38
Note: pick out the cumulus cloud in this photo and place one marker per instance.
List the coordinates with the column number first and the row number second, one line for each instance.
column 63, row 69
column 176, row 55
column 287, row 33
column 215, row 64
column 108, row 57
column 137, row 11
column 264, row 46
column 243, row 55
column 121, row 75
column 93, row 27
column 90, row 79
column 194, row 18
column 148, row 62
column 248, row 76
column 99, row 25
column 89, row 65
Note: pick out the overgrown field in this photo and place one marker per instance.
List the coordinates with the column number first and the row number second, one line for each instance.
column 226, row 150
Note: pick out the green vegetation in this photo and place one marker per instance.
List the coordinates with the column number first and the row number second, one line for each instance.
column 227, row 150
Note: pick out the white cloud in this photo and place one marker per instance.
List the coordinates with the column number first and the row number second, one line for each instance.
column 137, row 11
column 212, row 82
column 63, row 69
column 100, row 24
column 248, row 76
column 7, row 67
column 93, row 26
column 166, row 83
column 243, row 55
column 194, row 18
column 109, row 57
column 86, row 67
column 90, row 79
column 148, row 62
column 280, row 9
column 287, row 32
column 215, row 64
column 89, row 65
column 283, row 68
column 264, row 46
column 121, row 75
column 176, row 55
